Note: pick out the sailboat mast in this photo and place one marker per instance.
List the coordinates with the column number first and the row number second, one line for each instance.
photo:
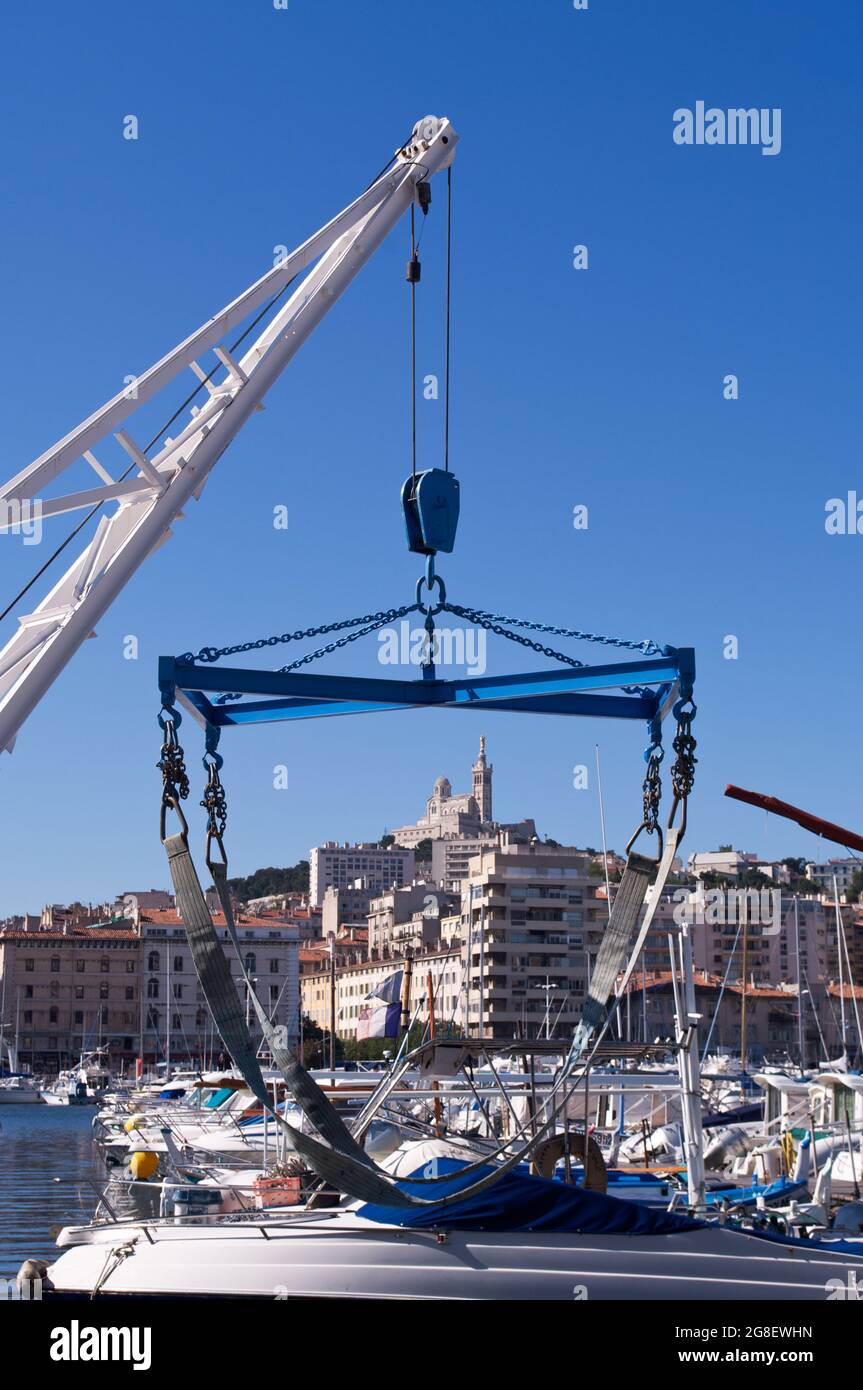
column 744, row 907
column 841, row 964
column 800, row 1030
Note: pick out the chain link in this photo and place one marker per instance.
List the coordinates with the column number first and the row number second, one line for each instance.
column 478, row 615
column 215, row 803
column 684, row 745
column 493, row 623
column 172, row 765
column 210, row 654
column 652, row 791
column 372, row 622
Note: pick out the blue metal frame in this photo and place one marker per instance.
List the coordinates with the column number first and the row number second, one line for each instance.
column 303, row 695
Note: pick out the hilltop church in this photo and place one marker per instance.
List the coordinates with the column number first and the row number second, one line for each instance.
column 464, row 816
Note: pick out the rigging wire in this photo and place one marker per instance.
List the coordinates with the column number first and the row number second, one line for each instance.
column 413, row 267
column 147, row 447
column 447, row 317
column 168, row 423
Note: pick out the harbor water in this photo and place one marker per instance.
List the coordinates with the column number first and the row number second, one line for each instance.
column 48, row 1165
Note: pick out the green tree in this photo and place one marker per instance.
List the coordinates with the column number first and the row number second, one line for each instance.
column 266, row 882
column 855, row 887
column 316, row 1045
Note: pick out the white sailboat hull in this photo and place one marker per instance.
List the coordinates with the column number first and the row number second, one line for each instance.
column 339, row 1254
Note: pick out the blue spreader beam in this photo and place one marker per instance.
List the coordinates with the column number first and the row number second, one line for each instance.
column 587, row 691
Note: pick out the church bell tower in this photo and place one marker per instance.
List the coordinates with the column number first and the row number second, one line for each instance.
column 482, row 772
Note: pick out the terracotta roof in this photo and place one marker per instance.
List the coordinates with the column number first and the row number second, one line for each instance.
column 71, row 934
column 656, row 979
column 845, row 991
column 169, row 917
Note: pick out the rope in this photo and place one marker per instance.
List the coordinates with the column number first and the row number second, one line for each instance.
column 447, row 317
column 413, row 381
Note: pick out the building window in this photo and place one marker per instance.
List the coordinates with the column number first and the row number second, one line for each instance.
column 29, row 965
column 152, row 989
column 53, row 1014
column 55, row 965
column 153, row 1019
column 130, row 991
column 153, row 960
column 178, row 1022
column 274, row 994
column 274, row 967
column 250, row 961
column 200, row 1018
column 28, row 991
column 79, row 1016
column 103, row 990
column 130, row 967
column 178, row 991
column 79, row 965
column 28, row 1015
column 104, row 965
column 55, row 989
column 178, row 963
column 79, row 991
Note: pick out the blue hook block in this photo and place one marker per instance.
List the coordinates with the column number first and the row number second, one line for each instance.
column 431, row 504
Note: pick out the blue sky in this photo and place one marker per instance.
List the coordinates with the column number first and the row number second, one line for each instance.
column 601, row 387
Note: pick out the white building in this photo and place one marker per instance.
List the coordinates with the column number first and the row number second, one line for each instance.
column 531, row 926
column 175, row 1022
column 338, row 866
column 823, row 874
column 730, row 863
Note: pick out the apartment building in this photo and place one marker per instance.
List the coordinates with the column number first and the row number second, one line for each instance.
column 64, row 990
column 346, row 905
column 175, row 1023
column 435, row 975
column 337, row 866
column 771, row 1014
column 408, row 918
column 532, row 923
column 842, row 870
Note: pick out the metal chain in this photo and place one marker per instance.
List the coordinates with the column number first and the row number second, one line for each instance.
column 215, row 803
column 478, row 615
column 684, row 745
column 652, row 790
column 374, row 621
column 210, row 654
column 171, row 764
column 490, row 623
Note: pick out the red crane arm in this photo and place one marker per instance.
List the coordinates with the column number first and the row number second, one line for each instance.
column 837, row 833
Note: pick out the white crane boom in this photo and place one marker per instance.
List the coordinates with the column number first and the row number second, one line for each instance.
column 157, row 488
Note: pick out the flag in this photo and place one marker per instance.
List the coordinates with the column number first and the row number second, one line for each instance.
column 380, row 1012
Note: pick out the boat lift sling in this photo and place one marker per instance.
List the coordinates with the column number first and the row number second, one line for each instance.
column 150, row 495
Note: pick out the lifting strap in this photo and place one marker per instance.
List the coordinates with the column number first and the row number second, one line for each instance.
column 359, row 1179
column 302, row 1086
column 341, row 1170
column 612, row 956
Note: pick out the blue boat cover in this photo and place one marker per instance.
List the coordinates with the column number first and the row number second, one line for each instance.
column 519, row 1202
column 218, row 1098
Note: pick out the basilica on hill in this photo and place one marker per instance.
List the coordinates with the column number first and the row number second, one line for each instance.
column 466, row 815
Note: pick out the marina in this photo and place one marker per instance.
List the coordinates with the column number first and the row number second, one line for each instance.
column 582, row 1025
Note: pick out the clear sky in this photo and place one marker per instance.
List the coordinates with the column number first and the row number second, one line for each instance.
column 601, row 387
